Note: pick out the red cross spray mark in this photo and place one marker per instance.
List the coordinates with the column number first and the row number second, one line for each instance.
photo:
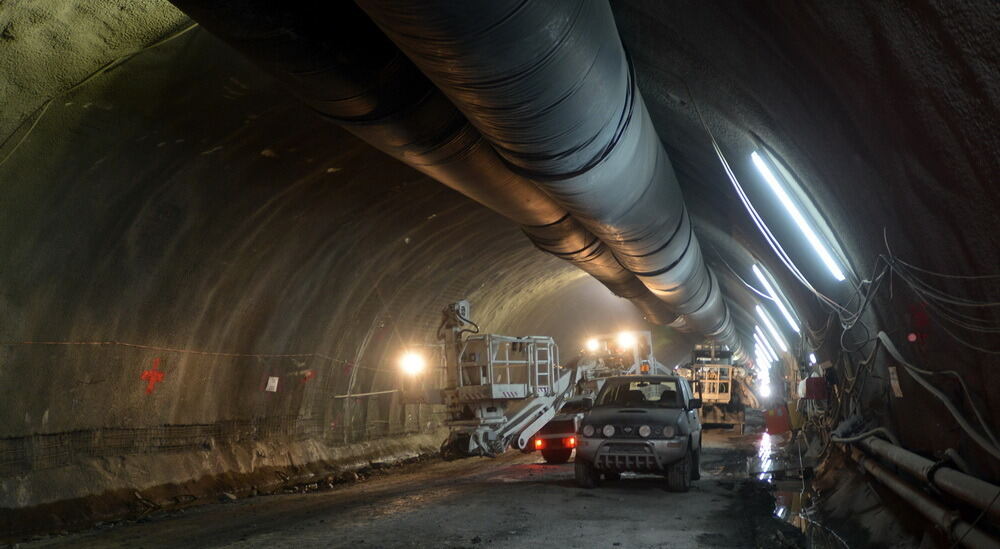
column 309, row 375
column 153, row 376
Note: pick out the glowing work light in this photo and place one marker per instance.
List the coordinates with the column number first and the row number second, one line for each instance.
column 761, row 339
column 412, row 363
column 776, row 297
column 626, row 340
column 797, row 216
column 771, row 329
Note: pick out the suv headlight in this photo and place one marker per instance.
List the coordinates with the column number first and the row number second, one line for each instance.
column 644, row 431
column 669, row 431
column 588, row 430
column 608, row 430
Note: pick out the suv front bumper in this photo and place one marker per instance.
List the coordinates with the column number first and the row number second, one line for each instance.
column 630, row 454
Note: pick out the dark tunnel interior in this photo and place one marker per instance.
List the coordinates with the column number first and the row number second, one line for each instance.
column 178, row 229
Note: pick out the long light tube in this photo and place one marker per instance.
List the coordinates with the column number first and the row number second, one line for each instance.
column 762, row 343
column 776, row 297
column 772, row 329
column 762, row 359
column 763, row 339
column 797, row 216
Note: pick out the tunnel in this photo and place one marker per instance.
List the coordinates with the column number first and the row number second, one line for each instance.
column 223, row 224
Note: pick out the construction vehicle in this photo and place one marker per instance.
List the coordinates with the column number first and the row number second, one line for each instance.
column 499, row 391
column 603, row 357
column 719, row 384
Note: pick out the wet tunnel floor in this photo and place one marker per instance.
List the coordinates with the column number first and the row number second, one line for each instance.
column 513, row 501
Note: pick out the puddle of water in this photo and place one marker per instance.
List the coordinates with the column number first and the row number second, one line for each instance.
column 778, row 462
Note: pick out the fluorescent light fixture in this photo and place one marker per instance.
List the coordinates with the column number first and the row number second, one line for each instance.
column 767, row 344
column 772, row 329
column 797, row 216
column 765, row 389
column 763, row 346
column 812, row 358
column 777, row 298
column 759, row 352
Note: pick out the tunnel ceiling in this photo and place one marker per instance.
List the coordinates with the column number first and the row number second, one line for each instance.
column 180, row 199
column 802, row 81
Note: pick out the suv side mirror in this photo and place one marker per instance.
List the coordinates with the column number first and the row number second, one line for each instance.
column 694, row 403
column 587, row 403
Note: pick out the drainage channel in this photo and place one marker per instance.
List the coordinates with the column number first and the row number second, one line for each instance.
column 781, row 463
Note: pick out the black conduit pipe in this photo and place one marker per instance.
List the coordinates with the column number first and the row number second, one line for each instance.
column 333, row 57
column 971, row 490
column 548, row 84
column 958, row 531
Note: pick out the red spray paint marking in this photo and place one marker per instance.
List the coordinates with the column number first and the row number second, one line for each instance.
column 309, row 375
column 348, row 366
column 153, row 376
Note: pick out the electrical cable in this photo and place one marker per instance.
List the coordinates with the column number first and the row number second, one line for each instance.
column 857, row 438
column 915, row 373
column 976, row 522
column 737, row 275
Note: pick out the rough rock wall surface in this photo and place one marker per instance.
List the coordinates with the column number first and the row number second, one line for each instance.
column 48, row 47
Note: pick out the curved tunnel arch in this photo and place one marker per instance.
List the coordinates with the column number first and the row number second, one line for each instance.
column 181, row 200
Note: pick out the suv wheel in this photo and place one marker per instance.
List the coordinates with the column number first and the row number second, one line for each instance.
column 679, row 474
column 586, row 475
column 557, row 456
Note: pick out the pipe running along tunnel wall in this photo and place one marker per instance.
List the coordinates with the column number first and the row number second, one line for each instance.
column 353, row 75
column 550, row 87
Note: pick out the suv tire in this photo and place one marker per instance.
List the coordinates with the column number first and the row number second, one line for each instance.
column 557, row 456
column 679, row 474
column 586, row 475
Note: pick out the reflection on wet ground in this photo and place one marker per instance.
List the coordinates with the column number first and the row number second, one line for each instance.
column 779, row 462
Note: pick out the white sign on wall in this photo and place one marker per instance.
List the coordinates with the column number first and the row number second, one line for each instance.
column 272, row 384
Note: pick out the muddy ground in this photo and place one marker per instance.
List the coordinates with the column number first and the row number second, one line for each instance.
column 513, row 501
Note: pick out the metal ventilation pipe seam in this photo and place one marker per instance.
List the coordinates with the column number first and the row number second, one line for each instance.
column 550, row 87
column 337, row 61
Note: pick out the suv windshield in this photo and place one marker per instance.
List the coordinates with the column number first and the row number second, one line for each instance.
column 574, row 407
column 642, row 394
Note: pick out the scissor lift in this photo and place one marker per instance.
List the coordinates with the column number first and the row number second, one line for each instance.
column 499, row 390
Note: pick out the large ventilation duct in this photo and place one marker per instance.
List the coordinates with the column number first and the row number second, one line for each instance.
column 337, row 61
column 550, row 87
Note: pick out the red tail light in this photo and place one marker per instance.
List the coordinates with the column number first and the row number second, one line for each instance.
column 569, row 442
column 539, row 444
